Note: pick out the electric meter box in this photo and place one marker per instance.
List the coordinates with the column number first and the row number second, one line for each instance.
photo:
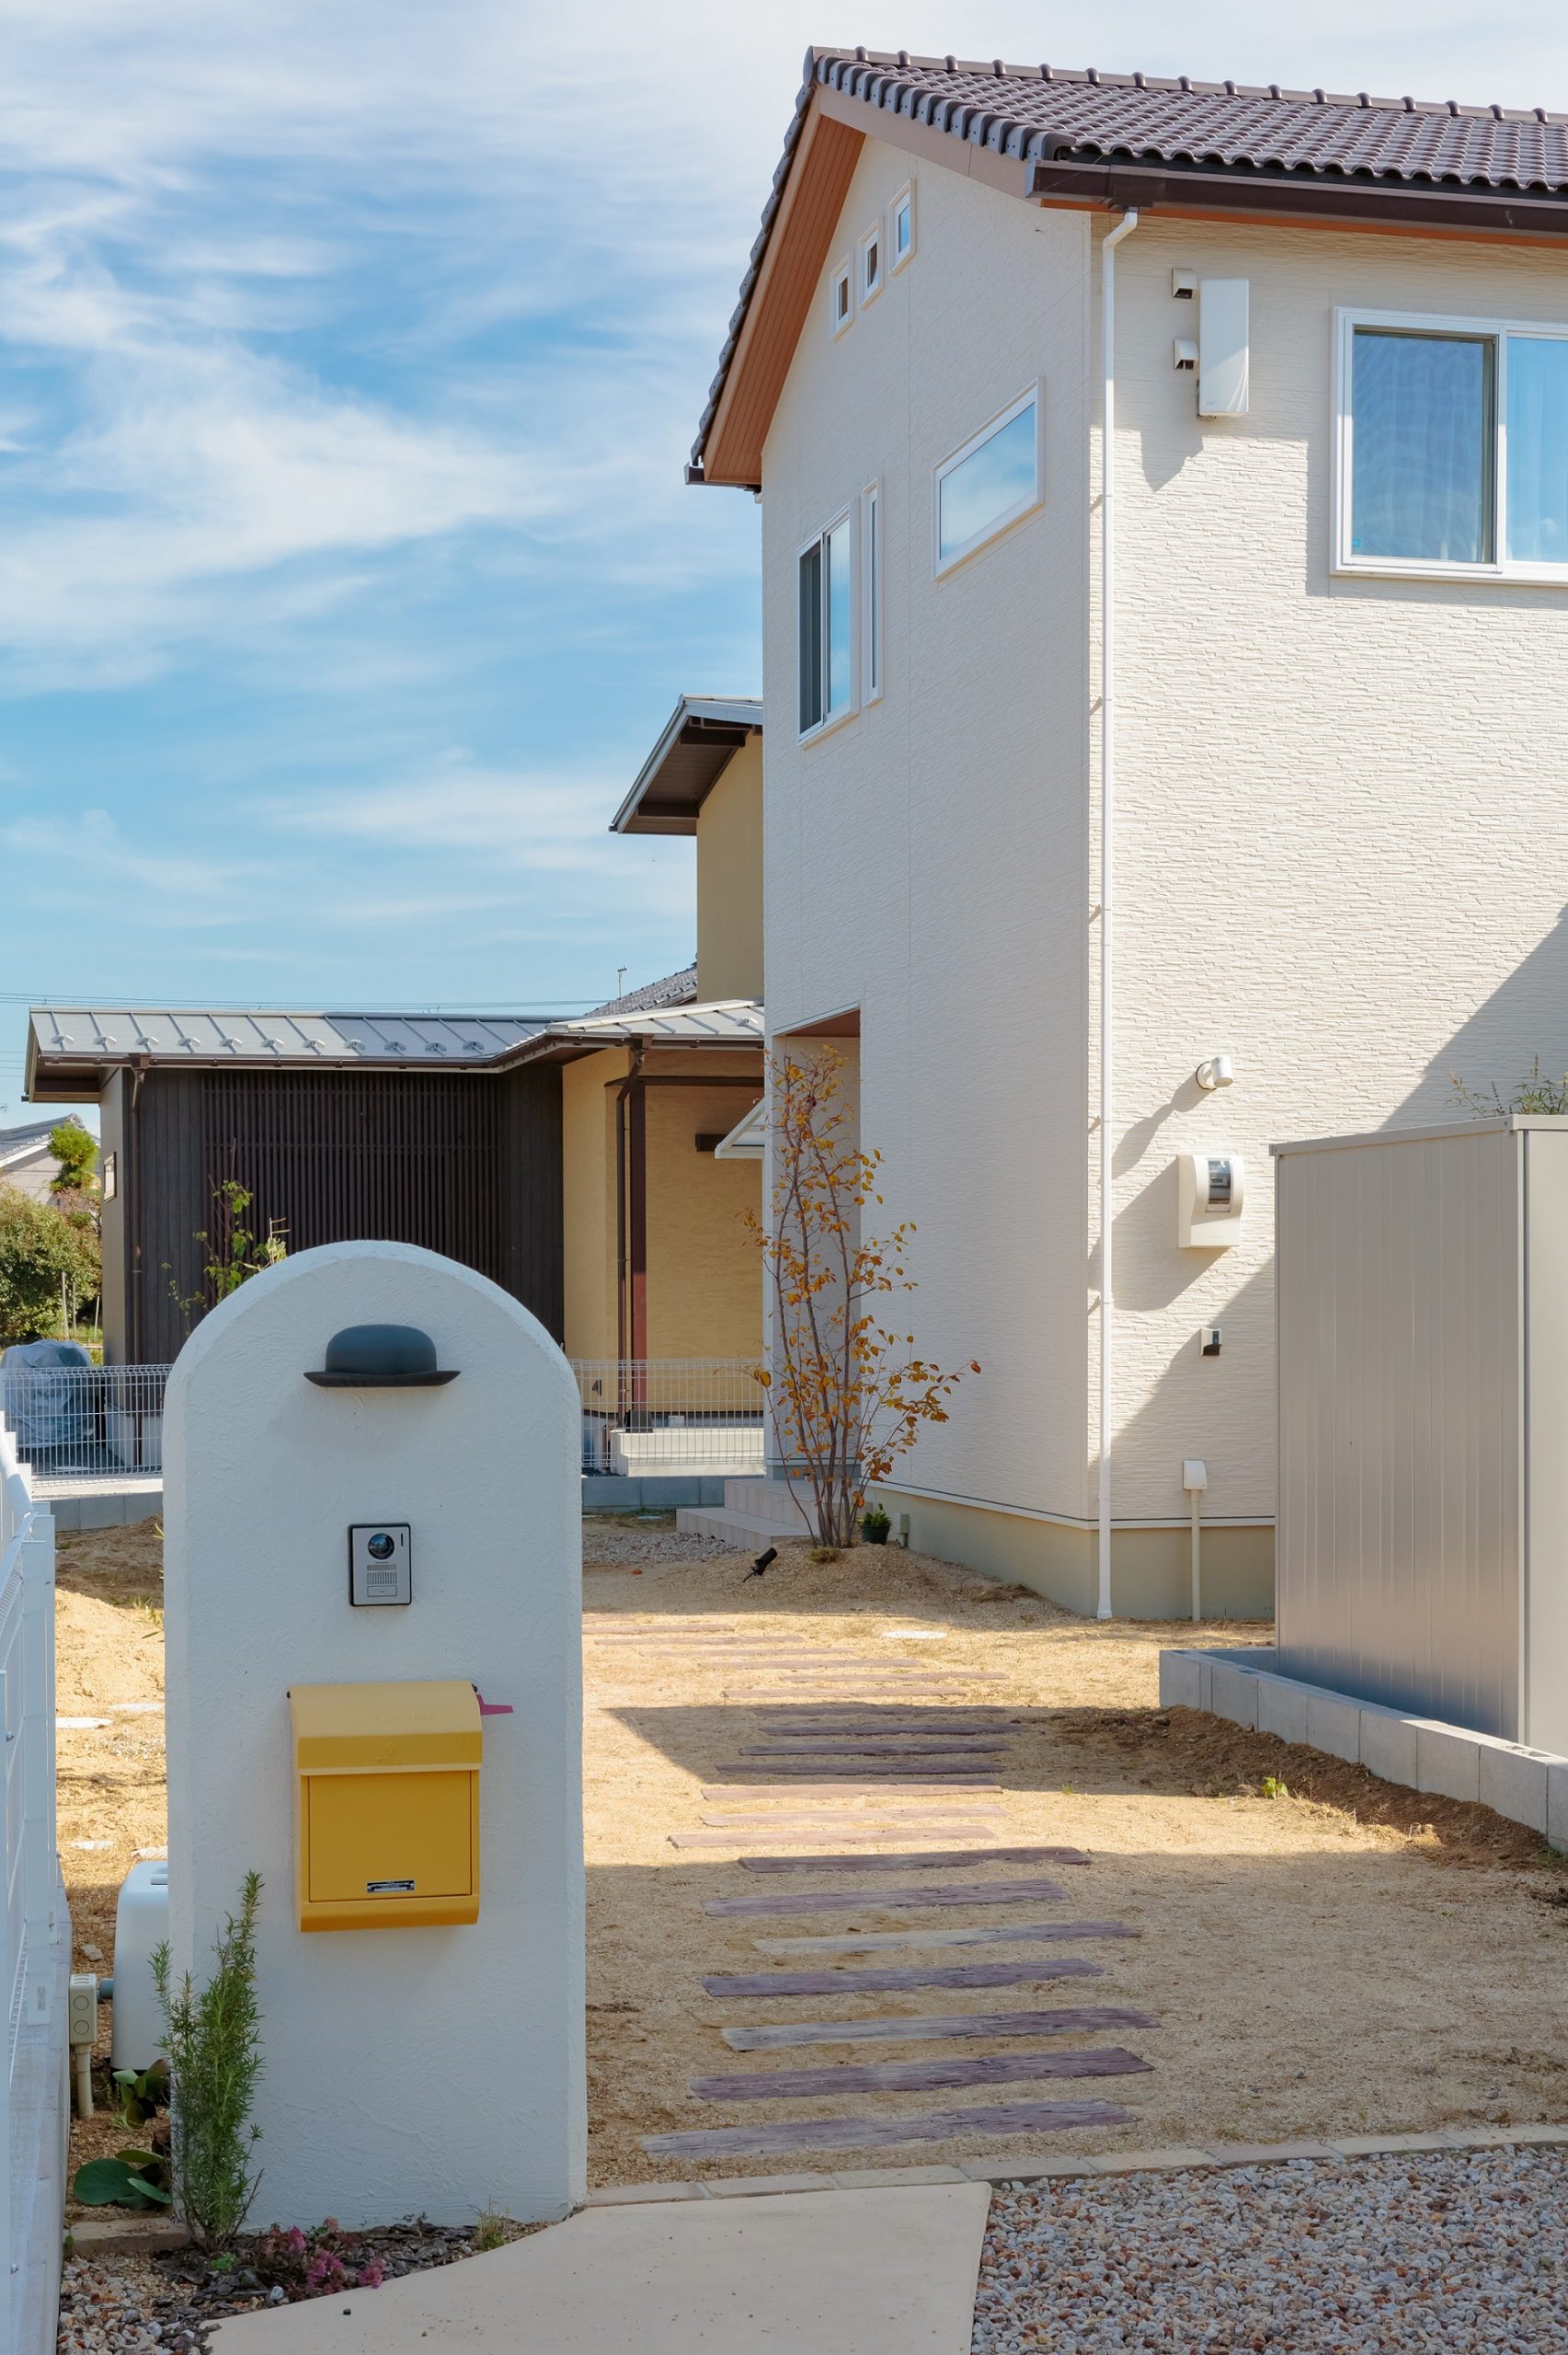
column 1210, row 1197
column 387, row 1829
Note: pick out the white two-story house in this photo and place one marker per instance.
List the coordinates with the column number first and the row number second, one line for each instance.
column 1232, row 747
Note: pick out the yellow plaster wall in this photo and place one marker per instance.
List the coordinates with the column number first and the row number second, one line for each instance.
column 704, row 1290
column 729, row 882
column 588, row 1187
column 705, row 1279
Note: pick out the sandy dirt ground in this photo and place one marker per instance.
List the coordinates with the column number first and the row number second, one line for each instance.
column 1340, row 1956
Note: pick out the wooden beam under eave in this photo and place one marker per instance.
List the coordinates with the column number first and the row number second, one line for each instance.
column 797, row 250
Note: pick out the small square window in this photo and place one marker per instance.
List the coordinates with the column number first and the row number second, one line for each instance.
column 901, row 236
column 840, row 299
column 871, row 264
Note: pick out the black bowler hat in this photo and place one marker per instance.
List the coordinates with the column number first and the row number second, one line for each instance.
column 380, row 1357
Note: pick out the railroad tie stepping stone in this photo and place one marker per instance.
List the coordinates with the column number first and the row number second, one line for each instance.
column 887, row 1746
column 993, row 1935
column 865, row 1763
column 857, row 1900
column 880, row 1836
column 934, row 1860
column 864, row 2133
column 919, row 2076
column 753, row 1821
column 1084, row 2019
column 1034, row 1971
column 834, row 1787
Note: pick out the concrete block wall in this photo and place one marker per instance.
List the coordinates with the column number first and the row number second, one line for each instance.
column 1528, row 1786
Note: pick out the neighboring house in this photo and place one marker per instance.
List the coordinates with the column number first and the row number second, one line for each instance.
column 1334, row 702
column 26, row 1161
column 570, row 1161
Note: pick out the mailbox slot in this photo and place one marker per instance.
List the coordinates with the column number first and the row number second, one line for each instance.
column 387, row 1823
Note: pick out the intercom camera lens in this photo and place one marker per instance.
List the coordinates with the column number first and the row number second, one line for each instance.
column 380, row 1547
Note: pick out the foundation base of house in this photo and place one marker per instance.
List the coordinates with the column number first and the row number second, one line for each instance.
column 1151, row 1569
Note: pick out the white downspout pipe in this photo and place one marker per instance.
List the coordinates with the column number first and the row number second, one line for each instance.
column 1123, row 228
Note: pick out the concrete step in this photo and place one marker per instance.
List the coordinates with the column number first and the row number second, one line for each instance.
column 769, row 1500
column 745, row 1530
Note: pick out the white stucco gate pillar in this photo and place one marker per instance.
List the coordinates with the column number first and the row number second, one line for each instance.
column 433, row 2067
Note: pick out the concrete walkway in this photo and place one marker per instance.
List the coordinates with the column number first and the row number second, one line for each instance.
column 873, row 2272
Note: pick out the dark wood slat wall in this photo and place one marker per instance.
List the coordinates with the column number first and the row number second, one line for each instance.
column 459, row 1163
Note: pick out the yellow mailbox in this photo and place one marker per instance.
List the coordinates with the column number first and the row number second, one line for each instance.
column 388, row 1828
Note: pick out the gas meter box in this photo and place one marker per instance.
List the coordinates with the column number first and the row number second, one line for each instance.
column 387, row 1835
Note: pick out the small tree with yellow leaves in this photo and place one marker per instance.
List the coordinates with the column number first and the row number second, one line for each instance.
column 847, row 1397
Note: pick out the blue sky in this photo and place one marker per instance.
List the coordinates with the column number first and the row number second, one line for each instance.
column 348, row 360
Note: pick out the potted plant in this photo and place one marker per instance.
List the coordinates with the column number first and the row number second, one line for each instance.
column 873, row 1526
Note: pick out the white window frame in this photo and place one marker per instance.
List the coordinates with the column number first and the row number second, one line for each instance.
column 1500, row 567
column 831, row 719
column 941, row 566
column 897, row 260
column 872, row 593
column 841, row 276
column 868, row 289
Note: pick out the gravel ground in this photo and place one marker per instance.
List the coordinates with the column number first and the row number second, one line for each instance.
column 624, row 1544
column 1376, row 2256
column 169, row 2304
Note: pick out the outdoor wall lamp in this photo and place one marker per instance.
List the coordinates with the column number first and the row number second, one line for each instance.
column 1216, row 1070
column 380, row 1357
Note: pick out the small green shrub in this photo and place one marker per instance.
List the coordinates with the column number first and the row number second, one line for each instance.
column 213, row 2039
column 133, row 2180
column 875, row 1526
column 1273, row 1789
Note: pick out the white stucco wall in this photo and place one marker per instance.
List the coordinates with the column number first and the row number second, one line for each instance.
column 1343, row 836
column 427, row 2069
column 924, row 860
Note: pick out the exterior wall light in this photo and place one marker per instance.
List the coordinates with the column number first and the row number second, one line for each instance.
column 1217, row 1071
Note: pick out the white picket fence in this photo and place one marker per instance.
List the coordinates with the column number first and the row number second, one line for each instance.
column 34, row 1929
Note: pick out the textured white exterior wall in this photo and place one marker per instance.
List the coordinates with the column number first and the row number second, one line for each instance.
column 1344, row 835
column 925, row 860
column 439, row 2069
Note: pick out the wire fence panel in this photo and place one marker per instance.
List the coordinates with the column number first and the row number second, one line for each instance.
column 700, row 1416
column 93, row 1422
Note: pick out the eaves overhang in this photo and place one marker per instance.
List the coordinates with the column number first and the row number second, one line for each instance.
column 1109, row 142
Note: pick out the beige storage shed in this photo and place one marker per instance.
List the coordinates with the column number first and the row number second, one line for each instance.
column 1422, row 1324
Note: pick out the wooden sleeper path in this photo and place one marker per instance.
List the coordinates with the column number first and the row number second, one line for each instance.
column 1084, row 2019
column 881, row 1837
column 861, row 2134
column 1035, row 1970
column 836, row 1787
column 995, row 1934
column 809, row 1767
column 932, row 1860
column 855, row 1900
column 919, row 2076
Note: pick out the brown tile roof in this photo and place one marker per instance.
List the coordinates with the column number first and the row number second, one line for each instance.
column 1059, row 125
column 1041, row 112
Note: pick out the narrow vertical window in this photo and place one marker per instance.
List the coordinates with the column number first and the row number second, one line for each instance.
column 840, row 299
column 1538, row 449
column 871, row 264
column 871, row 511
column 902, row 226
column 826, row 626
column 811, row 636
